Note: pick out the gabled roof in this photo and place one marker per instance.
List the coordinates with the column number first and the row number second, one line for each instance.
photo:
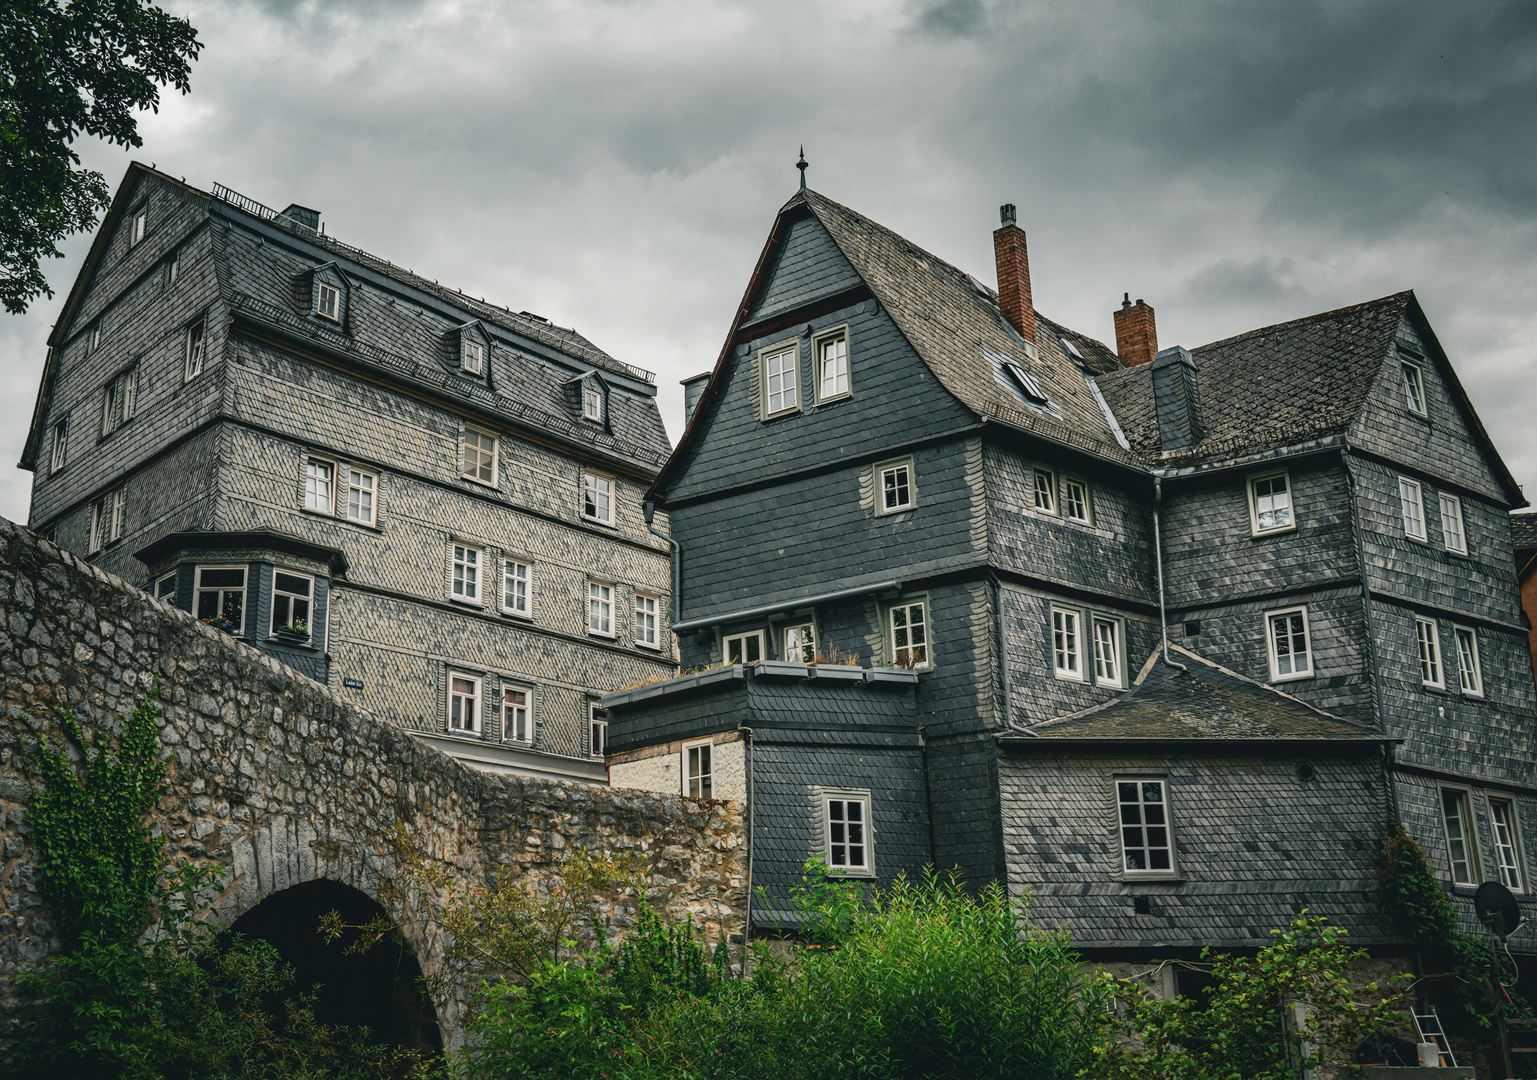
column 952, row 322
column 1523, row 533
column 1205, row 702
column 1276, row 386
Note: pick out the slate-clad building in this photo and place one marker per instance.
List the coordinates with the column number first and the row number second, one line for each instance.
column 894, row 467
column 431, row 503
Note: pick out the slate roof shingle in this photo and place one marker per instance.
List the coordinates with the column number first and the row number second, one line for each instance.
column 1205, row 702
column 1523, row 531
column 1272, row 387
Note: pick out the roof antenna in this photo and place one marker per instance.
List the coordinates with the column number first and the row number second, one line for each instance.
column 802, row 165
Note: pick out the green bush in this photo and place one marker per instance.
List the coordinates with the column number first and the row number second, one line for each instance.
column 925, row 980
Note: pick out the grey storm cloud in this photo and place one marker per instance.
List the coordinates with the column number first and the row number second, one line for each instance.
column 615, row 164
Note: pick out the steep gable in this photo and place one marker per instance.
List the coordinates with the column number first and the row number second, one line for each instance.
column 808, row 265
column 1447, row 440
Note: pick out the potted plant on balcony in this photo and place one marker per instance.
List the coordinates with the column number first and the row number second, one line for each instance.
column 298, row 630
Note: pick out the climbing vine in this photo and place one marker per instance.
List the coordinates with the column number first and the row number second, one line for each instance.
column 1422, row 913
column 97, row 861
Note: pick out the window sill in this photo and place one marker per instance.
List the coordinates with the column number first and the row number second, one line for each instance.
column 487, row 484
column 1292, row 678
column 648, row 646
column 834, row 399
column 782, row 414
column 521, row 616
column 1423, row 418
column 1439, row 691
column 465, row 602
column 1071, row 678
column 339, row 519
column 598, row 521
column 306, row 644
column 834, row 874
column 1265, row 534
column 600, row 634
column 467, row 736
column 1132, row 877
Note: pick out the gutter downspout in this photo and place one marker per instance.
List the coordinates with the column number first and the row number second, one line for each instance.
column 675, row 557
column 747, row 921
column 1163, row 617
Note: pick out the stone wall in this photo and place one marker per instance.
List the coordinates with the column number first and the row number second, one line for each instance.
column 280, row 781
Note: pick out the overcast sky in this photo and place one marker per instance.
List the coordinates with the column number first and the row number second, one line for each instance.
column 615, row 165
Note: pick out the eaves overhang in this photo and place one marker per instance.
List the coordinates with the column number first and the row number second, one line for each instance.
column 245, row 315
column 792, row 604
column 1026, row 744
column 262, row 539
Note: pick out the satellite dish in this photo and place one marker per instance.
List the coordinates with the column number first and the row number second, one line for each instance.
column 1497, row 909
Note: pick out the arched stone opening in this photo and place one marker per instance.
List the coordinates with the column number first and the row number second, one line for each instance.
column 379, row 989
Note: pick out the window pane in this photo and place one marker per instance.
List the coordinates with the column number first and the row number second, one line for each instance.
column 1454, row 809
column 1045, row 489
column 317, row 486
column 1145, row 839
column 1272, row 503
column 834, row 367
column 1451, row 524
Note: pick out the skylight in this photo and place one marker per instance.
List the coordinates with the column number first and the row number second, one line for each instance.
column 1026, row 382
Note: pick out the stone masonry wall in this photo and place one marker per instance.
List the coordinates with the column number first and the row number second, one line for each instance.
column 278, row 780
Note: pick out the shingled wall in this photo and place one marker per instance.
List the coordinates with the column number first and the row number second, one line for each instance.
column 278, row 780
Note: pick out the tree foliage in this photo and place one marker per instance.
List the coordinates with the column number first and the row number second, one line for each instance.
column 71, row 68
column 1245, row 1032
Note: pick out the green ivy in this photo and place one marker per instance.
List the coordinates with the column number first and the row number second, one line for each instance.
column 97, row 862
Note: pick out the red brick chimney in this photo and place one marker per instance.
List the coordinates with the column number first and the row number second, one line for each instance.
column 1014, row 275
column 1136, row 336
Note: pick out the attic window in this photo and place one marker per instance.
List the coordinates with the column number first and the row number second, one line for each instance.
column 328, row 301
column 1071, row 349
column 474, row 357
column 592, row 404
column 1026, row 383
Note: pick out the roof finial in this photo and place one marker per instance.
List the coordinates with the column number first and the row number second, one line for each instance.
column 802, row 165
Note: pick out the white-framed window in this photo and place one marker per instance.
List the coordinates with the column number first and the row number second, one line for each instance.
column 1507, row 843
column 464, row 582
column 1289, row 644
column 832, row 353
column 328, row 301
column 779, row 380
column 1270, row 502
column 800, row 642
column 894, row 481
column 909, row 623
column 107, row 519
column 592, row 403
column 463, row 703
column 742, row 648
column 1414, row 388
column 1429, row 637
column 140, row 227
column 597, row 731
column 1453, row 535
column 698, row 783
column 1470, row 675
column 292, row 597
column 319, row 486
column 1066, row 651
column 517, row 716
column 60, row 446
column 645, row 621
column 196, row 347
column 1107, row 653
column 1413, row 508
column 847, row 833
column 165, row 588
column 477, row 456
column 517, row 582
column 362, row 492
column 474, row 357
column 1045, row 482
column 1147, row 838
column 1075, row 501
column 600, row 608
column 1459, row 836
column 219, row 592
column 117, row 400
column 94, row 342
column 172, row 268
column 598, row 498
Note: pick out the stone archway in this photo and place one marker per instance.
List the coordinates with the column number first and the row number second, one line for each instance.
column 379, row 988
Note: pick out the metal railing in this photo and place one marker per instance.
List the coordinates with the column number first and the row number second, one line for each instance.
column 559, row 337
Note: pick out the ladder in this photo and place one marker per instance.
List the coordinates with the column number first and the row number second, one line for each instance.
column 1428, row 1024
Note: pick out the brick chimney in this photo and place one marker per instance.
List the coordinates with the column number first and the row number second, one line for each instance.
column 1014, row 274
column 1136, row 336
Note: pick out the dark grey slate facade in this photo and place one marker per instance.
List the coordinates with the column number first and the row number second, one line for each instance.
column 236, row 404
column 1326, row 513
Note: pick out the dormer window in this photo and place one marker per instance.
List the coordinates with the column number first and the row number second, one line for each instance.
column 592, row 404
column 473, row 357
column 328, row 302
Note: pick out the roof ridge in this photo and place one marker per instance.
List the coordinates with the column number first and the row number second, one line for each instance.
column 1400, row 297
